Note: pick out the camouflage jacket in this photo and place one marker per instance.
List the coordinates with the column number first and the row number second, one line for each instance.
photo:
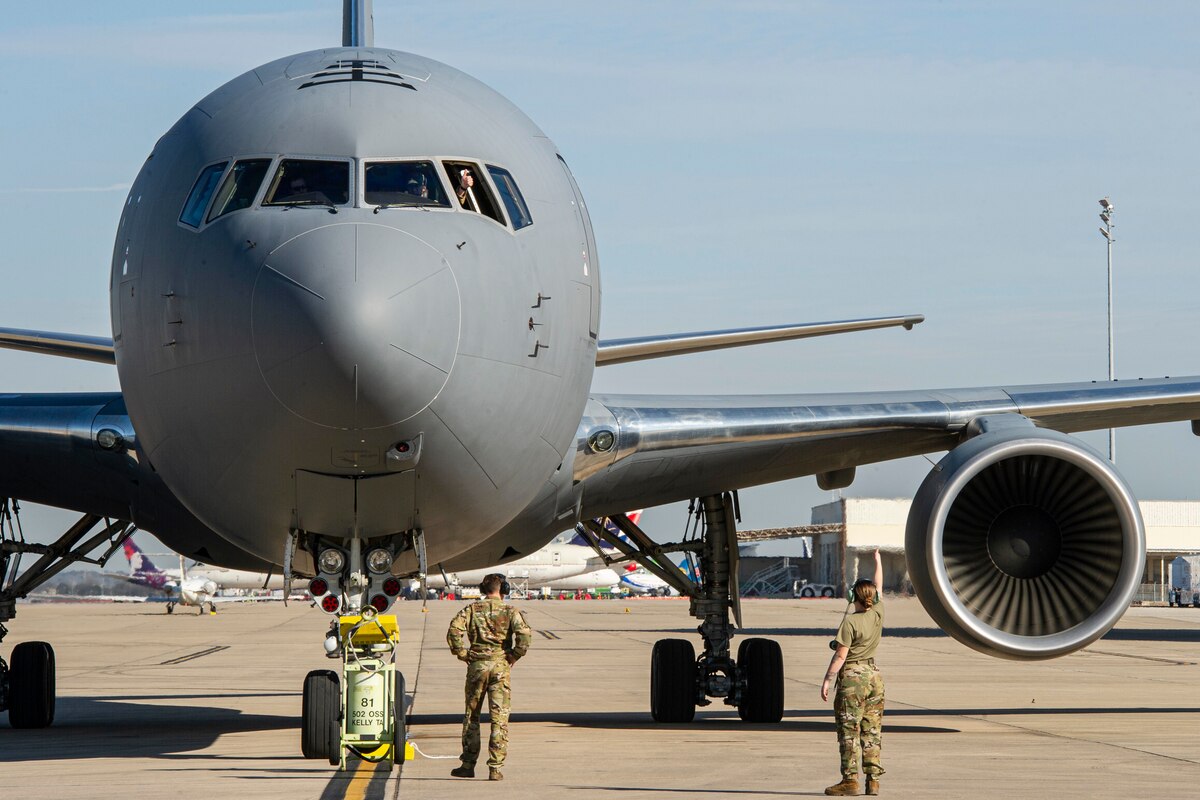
column 488, row 629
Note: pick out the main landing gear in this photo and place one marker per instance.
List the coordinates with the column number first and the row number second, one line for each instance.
column 679, row 680
column 27, row 680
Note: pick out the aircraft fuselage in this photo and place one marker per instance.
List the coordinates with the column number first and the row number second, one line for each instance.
column 351, row 369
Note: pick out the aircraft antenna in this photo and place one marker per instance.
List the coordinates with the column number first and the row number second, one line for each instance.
column 358, row 24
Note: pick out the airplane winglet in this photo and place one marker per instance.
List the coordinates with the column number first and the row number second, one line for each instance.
column 620, row 351
column 67, row 345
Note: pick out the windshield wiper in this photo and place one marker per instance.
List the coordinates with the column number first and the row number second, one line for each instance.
column 330, row 207
column 413, row 204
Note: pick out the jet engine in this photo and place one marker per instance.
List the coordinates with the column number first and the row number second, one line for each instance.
column 1024, row 543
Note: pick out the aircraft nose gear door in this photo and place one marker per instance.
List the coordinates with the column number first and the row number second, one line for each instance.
column 679, row 681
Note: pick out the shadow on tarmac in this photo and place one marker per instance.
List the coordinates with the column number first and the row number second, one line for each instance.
column 1120, row 634
column 86, row 727
column 793, row 722
column 1152, row 634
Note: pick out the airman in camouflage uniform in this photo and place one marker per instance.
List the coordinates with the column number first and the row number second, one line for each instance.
column 490, row 636
column 858, row 699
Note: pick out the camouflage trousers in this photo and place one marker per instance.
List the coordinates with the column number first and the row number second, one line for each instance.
column 858, row 708
column 487, row 679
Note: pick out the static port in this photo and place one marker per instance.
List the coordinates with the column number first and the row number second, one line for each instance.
column 318, row 587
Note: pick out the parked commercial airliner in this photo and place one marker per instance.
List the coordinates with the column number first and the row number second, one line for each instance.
column 355, row 302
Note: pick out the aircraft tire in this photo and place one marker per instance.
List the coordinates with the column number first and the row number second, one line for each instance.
column 761, row 662
column 673, row 681
column 401, row 730
column 31, row 686
column 319, row 729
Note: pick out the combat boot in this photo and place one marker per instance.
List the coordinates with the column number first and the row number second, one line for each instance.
column 495, row 774
column 872, row 784
column 463, row 772
column 848, row 787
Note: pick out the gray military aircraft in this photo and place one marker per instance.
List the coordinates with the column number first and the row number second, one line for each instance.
column 355, row 300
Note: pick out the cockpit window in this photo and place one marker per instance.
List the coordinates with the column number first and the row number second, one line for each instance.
column 471, row 190
column 403, row 183
column 518, row 212
column 202, row 190
column 300, row 182
column 240, row 186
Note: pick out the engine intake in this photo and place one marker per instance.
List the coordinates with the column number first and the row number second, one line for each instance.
column 1024, row 543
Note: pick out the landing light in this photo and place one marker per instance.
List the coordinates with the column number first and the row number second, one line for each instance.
column 108, row 439
column 331, row 561
column 318, row 587
column 391, row 587
column 601, row 441
column 379, row 560
column 330, row 603
column 379, row 603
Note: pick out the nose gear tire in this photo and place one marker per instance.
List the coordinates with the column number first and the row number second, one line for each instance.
column 319, row 718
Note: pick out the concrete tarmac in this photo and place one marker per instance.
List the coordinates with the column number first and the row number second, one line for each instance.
column 152, row 705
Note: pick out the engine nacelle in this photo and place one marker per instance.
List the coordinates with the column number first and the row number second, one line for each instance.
column 1024, row 543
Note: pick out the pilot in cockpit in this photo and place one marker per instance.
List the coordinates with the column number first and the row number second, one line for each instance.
column 417, row 187
column 466, row 192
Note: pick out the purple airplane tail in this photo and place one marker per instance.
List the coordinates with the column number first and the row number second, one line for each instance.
column 141, row 568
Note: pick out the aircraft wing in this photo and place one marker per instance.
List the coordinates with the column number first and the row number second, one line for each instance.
column 68, row 345
column 622, row 351
column 670, row 448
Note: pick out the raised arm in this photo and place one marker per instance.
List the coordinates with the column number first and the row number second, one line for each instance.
column 878, row 572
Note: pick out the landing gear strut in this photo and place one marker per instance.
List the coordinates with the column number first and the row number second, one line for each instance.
column 679, row 681
column 27, row 683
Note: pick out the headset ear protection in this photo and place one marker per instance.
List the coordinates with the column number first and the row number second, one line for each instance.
column 504, row 587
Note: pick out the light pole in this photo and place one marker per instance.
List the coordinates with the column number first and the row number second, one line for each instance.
column 1107, row 232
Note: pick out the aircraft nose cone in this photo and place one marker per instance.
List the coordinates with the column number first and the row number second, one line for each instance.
column 355, row 325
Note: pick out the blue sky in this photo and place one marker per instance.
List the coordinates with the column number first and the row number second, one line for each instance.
column 745, row 164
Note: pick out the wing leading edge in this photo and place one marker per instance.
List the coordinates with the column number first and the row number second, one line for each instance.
column 621, row 351
column 669, row 448
column 68, row 345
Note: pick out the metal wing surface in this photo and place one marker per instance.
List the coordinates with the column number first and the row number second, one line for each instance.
column 52, row 452
column 67, row 345
column 670, row 448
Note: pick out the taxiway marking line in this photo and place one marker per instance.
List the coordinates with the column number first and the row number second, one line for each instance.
column 357, row 790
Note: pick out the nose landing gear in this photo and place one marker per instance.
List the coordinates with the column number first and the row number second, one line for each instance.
column 361, row 711
column 679, row 681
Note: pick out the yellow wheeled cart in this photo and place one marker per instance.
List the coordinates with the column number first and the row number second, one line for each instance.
column 372, row 724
